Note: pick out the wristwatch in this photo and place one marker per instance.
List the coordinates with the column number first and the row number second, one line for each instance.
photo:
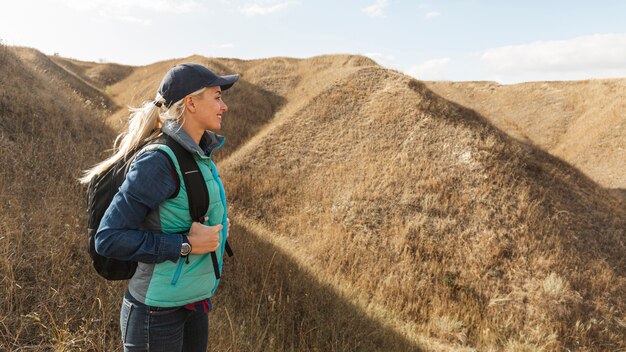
column 185, row 248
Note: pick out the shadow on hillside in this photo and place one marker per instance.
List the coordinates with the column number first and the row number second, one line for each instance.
column 571, row 190
column 621, row 194
column 250, row 108
column 274, row 301
column 437, row 105
column 473, row 119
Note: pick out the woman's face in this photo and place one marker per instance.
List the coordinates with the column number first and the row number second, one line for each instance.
column 209, row 109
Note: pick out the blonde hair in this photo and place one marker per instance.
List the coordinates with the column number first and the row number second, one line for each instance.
column 143, row 125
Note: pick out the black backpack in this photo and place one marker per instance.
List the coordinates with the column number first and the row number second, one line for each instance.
column 103, row 187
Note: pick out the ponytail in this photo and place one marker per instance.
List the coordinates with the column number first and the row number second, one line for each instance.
column 142, row 127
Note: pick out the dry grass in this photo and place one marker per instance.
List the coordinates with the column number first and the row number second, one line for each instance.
column 582, row 122
column 369, row 215
column 48, row 132
column 433, row 221
column 54, row 301
column 59, row 78
column 97, row 74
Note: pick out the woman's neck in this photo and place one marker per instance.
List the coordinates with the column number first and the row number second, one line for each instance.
column 194, row 132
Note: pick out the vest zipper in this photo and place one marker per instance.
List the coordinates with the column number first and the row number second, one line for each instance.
column 179, row 269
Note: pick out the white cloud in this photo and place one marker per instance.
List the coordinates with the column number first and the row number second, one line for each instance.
column 430, row 70
column 226, row 46
column 425, row 9
column 383, row 59
column 599, row 55
column 136, row 20
column 263, row 7
column 431, row 14
column 127, row 10
column 171, row 6
column 377, row 9
column 130, row 6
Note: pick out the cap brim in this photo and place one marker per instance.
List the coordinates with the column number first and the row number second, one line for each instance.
column 225, row 82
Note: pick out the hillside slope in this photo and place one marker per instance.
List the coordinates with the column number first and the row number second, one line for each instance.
column 100, row 75
column 433, row 221
column 369, row 214
column 62, row 80
column 52, row 299
column 582, row 122
column 49, row 132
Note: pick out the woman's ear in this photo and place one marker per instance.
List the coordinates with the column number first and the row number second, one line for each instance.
column 188, row 101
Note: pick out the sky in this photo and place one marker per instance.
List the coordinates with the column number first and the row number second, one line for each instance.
column 456, row 40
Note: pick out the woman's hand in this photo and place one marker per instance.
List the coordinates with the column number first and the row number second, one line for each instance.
column 203, row 238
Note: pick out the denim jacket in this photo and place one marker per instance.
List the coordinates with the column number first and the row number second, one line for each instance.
column 149, row 182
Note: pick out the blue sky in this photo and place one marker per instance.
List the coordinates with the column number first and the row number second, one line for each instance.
column 505, row 41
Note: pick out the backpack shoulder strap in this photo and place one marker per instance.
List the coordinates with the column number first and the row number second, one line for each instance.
column 192, row 177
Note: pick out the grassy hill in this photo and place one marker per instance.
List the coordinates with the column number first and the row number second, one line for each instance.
column 50, row 128
column 581, row 122
column 97, row 74
column 432, row 220
column 369, row 214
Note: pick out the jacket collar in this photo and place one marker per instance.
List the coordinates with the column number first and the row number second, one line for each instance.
column 208, row 143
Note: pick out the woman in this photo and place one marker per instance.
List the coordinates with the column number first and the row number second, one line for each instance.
column 165, row 307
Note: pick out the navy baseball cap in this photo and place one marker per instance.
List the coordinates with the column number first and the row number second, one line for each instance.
column 184, row 79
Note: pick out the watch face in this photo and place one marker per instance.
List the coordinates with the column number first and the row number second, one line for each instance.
column 185, row 249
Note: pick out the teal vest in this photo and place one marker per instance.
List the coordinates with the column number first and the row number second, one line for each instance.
column 171, row 284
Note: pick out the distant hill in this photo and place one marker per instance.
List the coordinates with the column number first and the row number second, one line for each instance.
column 101, row 75
column 369, row 213
column 61, row 79
column 582, row 122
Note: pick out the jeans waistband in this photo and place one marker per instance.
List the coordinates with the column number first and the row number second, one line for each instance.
column 133, row 300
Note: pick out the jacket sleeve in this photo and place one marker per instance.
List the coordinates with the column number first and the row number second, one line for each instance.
column 148, row 183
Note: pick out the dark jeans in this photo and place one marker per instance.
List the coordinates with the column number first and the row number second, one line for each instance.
column 146, row 328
